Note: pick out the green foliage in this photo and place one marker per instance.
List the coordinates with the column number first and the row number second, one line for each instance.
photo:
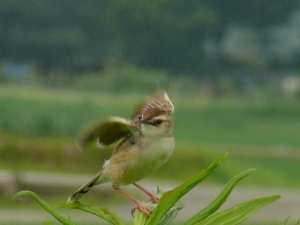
column 217, row 203
column 35, row 112
column 39, row 127
column 103, row 213
column 46, row 206
column 287, row 219
column 170, row 198
column 238, row 213
column 121, row 79
column 168, row 206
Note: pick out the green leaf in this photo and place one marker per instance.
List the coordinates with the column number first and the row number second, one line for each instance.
column 172, row 213
column 218, row 202
column 170, row 217
column 287, row 219
column 171, row 197
column 47, row 207
column 238, row 213
column 95, row 210
column 139, row 218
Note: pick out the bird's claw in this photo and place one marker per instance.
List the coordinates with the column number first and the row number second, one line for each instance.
column 142, row 208
column 154, row 199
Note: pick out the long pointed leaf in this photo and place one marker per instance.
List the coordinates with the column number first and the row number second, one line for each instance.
column 139, row 218
column 170, row 217
column 287, row 219
column 238, row 213
column 47, row 207
column 171, row 197
column 103, row 213
column 218, row 202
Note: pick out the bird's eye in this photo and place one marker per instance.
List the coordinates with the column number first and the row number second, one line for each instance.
column 158, row 122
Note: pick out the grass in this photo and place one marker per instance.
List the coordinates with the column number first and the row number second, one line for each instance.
column 38, row 128
column 34, row 112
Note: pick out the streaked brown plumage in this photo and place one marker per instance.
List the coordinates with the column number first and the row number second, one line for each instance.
column 146, row 143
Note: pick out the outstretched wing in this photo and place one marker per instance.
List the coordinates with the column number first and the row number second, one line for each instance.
column 108, row 132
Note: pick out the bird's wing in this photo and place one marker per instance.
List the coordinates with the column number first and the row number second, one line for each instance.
column 108, row 132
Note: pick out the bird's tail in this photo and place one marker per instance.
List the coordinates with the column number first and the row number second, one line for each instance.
column 84, row 189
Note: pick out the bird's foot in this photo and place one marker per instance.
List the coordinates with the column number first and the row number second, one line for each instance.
column 142, row 208
column 154, row 199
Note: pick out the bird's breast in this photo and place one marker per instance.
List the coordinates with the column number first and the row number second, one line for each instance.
column 150, row 155
column 157, row 151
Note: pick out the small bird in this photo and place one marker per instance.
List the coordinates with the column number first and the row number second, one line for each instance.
column 146, row 143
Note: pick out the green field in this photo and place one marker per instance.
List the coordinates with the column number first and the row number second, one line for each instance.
column 38, row 128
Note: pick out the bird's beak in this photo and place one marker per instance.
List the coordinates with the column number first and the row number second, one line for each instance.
column 145, row 121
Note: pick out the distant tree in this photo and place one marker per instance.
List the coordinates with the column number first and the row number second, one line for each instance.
column 177, row 35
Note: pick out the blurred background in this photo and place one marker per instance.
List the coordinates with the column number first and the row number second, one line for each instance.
column 231, row 68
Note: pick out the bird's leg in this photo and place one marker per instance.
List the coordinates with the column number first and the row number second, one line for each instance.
column 140, row 205
column 153, row 198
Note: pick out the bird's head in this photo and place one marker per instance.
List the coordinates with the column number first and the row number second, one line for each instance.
column 156, row 117
column 157, row 126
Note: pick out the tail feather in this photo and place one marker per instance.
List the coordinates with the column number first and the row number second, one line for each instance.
column 84, row 189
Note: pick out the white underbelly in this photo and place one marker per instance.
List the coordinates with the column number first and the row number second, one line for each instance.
column 148, row 160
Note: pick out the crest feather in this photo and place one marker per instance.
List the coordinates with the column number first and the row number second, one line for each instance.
column 158, row 104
